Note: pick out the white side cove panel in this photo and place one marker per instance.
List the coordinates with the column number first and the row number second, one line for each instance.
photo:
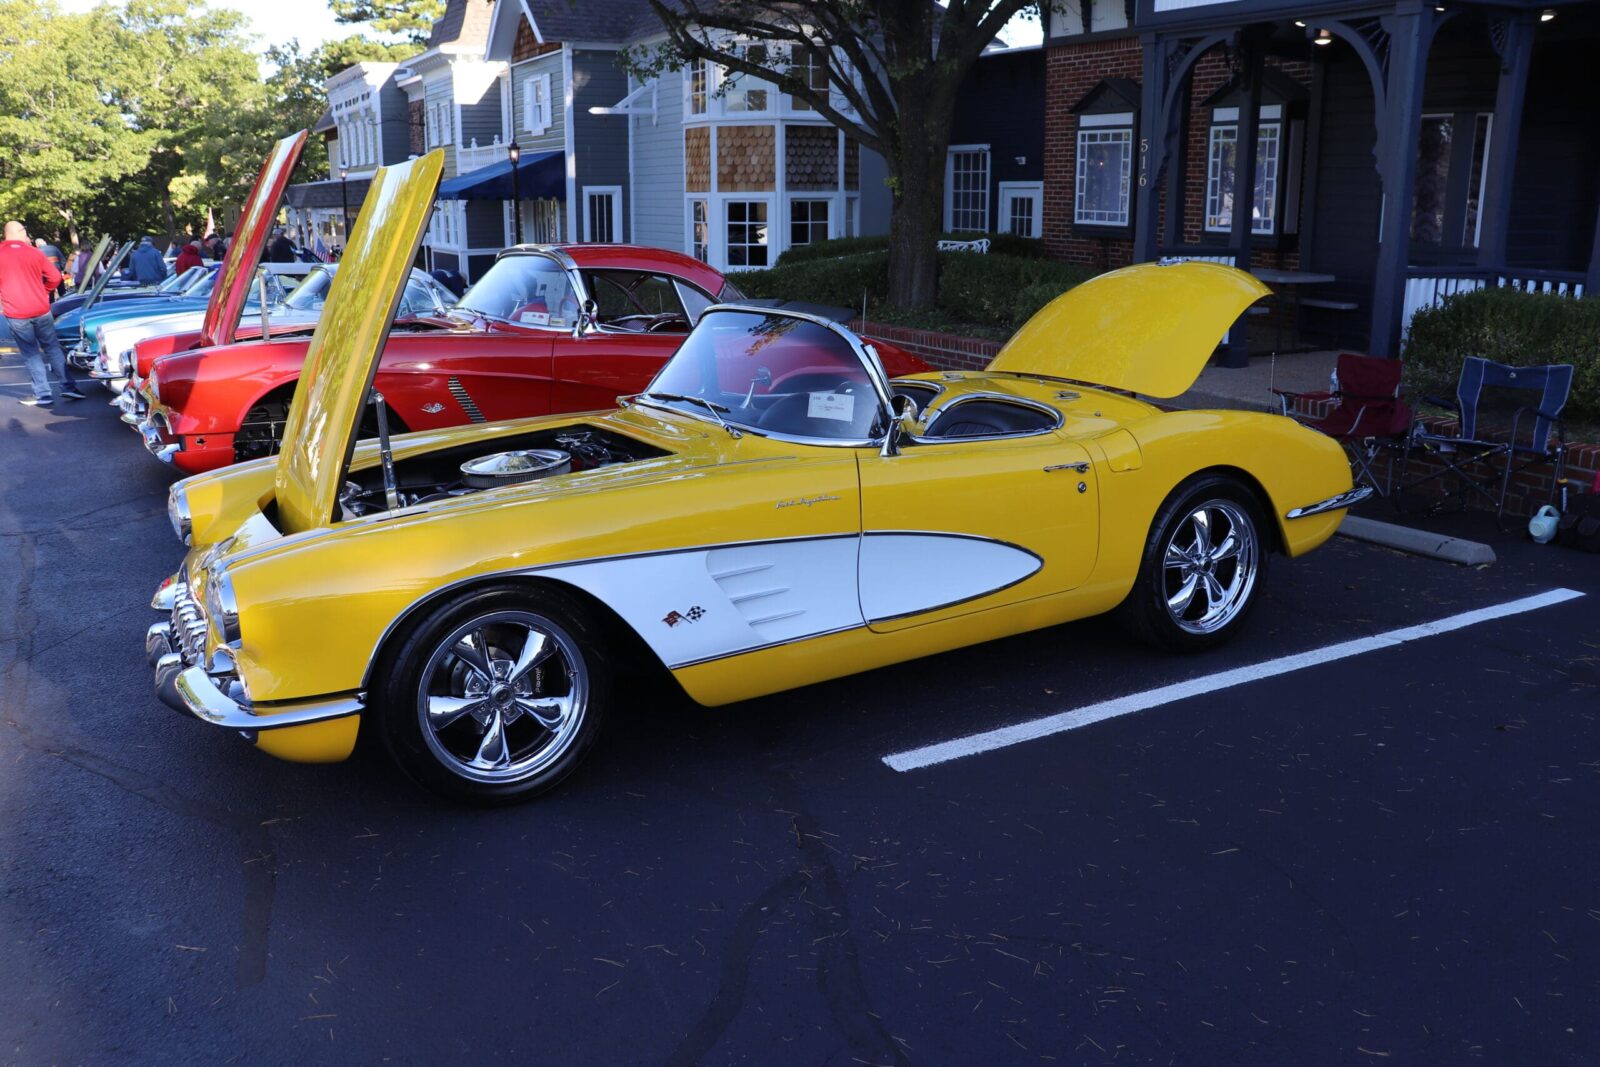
column 909, row 573
column 706, row 603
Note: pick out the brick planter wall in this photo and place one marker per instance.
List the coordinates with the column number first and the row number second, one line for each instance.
column 1529, row 490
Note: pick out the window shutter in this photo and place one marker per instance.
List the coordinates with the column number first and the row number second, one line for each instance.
column 530, row 121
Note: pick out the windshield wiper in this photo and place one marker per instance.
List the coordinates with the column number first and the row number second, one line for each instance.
column 712, row 406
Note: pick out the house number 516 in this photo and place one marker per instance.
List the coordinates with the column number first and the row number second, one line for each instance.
column 1144, row 159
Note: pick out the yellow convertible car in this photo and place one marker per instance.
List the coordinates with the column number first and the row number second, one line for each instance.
column 773, row 511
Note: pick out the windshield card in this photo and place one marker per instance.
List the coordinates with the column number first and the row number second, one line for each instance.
column 536, row 318
column 837, row 406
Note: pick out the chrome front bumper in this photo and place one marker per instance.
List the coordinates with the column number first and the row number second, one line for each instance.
column 217, row 696
column 1333, row 503
column 131, row 404
column 153, row 441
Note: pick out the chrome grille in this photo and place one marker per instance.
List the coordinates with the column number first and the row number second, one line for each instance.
column 188, row 625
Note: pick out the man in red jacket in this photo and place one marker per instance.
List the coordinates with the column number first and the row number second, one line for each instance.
column 27, row 278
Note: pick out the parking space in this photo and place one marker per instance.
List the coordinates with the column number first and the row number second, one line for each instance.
column 1390, row 854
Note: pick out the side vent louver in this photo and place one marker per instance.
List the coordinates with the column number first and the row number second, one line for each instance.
column 459, row 391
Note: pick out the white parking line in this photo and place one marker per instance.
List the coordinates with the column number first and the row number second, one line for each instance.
column 976, row 744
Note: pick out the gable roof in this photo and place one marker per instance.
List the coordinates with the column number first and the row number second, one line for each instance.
column 464, row 22
column 1109, row 93
column 589, row 20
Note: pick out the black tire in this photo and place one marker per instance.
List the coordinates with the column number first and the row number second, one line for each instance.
column 430, row 664
column 1148, row 612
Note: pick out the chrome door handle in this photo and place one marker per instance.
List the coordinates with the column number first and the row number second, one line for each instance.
column 1081, row 468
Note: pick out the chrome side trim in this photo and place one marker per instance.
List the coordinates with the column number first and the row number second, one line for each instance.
column 205, row 700
column 1333, row 503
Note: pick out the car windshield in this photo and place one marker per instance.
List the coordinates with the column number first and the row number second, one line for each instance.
column 772, row 373
column 205, row 286
column 312, row 293
column 530, row 289
column 178, row 283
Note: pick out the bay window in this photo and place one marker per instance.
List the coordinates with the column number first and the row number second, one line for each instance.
column 1103, row 183
column 747, row 233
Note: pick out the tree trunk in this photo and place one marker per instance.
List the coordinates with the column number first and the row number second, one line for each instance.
column 917, row 176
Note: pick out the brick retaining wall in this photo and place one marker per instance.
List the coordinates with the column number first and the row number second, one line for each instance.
column 1529, row 489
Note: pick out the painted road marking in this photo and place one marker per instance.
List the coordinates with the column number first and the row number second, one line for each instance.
column 976, row 744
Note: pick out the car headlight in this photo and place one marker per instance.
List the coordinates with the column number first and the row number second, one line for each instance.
column 178, row 512
column 221, row 607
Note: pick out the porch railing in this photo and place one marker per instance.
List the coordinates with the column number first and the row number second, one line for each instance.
column 1427, row 287
column 474, row 156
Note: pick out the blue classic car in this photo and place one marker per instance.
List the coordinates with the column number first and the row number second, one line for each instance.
column 69, row 310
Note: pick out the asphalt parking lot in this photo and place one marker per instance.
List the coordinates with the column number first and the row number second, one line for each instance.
column 1389, row 856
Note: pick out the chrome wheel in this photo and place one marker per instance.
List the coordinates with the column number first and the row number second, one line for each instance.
column 1209, row 566
column 502, row 697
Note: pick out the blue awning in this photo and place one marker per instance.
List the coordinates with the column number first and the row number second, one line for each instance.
column 540, row 176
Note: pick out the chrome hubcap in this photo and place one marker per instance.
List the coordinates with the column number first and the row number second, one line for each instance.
column 502, row 697
column 1210, row 566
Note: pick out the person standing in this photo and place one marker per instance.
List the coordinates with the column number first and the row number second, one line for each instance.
column 188, row 256
column 146, row 263
column 281, row 250
column 27, row 278
column 54, row 255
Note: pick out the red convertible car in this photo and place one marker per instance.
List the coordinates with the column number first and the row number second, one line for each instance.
column 547, row 329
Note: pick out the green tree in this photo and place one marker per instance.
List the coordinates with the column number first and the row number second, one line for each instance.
column 413, row 18
column 886, row 72
column 64, row 134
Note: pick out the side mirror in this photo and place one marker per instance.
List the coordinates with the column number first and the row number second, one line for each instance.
column 903, row 423
column 585, row 320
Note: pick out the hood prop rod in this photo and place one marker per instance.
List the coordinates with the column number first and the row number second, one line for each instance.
column 391, row 494
column 266, row 318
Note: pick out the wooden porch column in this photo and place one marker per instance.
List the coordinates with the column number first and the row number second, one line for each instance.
column 1399, row 127
column 1513, row 37
column 1236, row 353
column 1152, row 147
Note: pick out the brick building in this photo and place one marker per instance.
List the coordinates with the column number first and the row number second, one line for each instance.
column 1472, row 115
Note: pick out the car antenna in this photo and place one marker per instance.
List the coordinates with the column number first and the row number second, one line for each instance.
column 391, row 494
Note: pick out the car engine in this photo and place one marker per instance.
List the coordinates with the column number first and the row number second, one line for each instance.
column 468, row 469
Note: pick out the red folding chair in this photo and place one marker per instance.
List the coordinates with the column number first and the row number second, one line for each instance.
column 1366, row 414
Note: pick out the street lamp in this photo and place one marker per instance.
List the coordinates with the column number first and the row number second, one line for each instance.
column 344, row 205
column 514, row 153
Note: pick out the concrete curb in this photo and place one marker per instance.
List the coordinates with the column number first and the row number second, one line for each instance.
column 1418, row 542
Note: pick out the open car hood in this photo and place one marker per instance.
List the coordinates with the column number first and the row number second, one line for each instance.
column 85, row 277
column 1148, row 328
column 249, row 238
column 343, row 356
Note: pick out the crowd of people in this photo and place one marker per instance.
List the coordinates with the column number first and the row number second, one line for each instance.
column 34, row 273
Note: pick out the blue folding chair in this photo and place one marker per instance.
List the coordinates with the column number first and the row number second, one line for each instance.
column 1508, row 420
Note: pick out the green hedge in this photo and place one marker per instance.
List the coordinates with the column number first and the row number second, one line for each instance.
column 988, row 290
column 999, row 243
column 1507, row 326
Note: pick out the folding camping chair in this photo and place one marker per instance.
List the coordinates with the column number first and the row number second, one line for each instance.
column 1366, row 414
column 1505, row 415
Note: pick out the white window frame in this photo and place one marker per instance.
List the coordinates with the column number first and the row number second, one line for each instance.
column 710, row 224
column 1224, row 127
column 742, row 85
column 1110, row 128
column 707, row 90
column 537, row 114
column 830, row 202
column 949, row 184
column 606, row 192
column 1034, row 191
column 720, row 225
